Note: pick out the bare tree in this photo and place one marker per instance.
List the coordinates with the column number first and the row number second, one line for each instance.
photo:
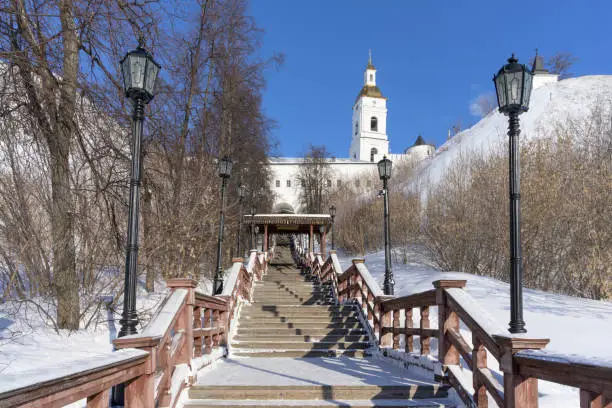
column 561, row 63
column 313, row 177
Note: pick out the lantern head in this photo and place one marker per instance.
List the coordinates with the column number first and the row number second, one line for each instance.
column 139, row 72
column 513, row 87
column 225, row 167
column 332, row 211
column 384, row 168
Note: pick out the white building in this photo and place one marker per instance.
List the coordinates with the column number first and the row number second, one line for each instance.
column 369, row 143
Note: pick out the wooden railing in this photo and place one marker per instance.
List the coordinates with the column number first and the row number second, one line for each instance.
column 521, row 360
column 189, row 330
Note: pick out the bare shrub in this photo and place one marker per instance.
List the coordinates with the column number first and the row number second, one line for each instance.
column 566, row 216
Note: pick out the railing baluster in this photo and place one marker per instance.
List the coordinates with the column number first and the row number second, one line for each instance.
column 408, row 324
column 479, row 360
column 396, row 331
column 208, row 337
column 197, row 325
column 370, row 299
column 425, row 350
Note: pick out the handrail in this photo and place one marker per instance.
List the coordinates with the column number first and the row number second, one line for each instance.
column 89, row 378
column 521, row 359
column 157, row 363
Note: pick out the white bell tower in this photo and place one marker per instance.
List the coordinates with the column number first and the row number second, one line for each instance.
column 369, row 141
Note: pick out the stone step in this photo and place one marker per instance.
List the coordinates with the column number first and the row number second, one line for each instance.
column 306, row 353
column 250, row 313
column 318, row 392
column 386, row 403
column 298, row 319
column 285, row 331
column 301, row 309
column 300, row 345
column 302, row 325
column 295, row 302
column 264, row 337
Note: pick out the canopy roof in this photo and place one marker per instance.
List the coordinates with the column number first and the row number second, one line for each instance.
column 289, row 223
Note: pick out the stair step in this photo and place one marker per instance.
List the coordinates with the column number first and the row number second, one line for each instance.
column 305, row 353
column 301, row 309
column 298, row 319
column 318, row 392
column 312, row 331
column 386, row 403
column 323, row 314
column 301, row 345
column 295, row 337
column 303, row 325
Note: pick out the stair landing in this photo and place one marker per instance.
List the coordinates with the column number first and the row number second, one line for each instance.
column 314, row 382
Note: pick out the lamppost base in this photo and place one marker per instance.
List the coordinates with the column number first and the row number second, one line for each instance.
column 517, row 327
column 128, row 324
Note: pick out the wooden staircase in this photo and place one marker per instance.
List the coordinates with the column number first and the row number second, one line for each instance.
column 292, row 316
column 295, row 347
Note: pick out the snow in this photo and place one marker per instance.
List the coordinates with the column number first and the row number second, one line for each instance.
column 579, row 329
column 550, row 104
column 285, row 371
column 35, row 375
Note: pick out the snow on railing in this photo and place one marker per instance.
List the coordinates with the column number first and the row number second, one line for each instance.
column 72, row 381
column 156, row 364
column 521, row 359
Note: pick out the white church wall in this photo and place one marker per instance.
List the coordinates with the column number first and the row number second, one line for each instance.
column 542, row 79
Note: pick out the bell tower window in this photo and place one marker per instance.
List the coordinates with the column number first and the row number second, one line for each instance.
column 373, row 153
column 374, row 124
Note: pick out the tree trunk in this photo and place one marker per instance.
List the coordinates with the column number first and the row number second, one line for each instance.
column 62, row 225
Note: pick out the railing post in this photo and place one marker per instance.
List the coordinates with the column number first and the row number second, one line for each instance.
column 185, row 319
column 385, row 336
column 447, row 320
column 519, row 391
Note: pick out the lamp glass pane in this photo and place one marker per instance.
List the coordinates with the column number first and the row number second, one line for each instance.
column 381, row 169
column 137, row 69
column 528, row 81
column 515, row 85
column 125, row 71
column 500, row 87
column 152, row 71
column 389, row 167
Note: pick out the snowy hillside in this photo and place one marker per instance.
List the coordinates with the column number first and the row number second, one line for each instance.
column 551, row 104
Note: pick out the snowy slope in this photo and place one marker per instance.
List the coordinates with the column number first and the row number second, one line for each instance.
column 551, row 104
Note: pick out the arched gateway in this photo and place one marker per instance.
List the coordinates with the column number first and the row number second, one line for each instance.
column 303, row 226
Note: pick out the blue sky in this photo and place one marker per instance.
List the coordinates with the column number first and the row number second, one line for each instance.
column 434, row 58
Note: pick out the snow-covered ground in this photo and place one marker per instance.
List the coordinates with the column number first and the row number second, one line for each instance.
column 550, row 105
column 576, row 327
column 30, row 347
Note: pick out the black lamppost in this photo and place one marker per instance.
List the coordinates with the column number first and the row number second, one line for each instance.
column 241, row 194
column 332, row 212
column 513, row 86
column 225, row 170
column 384, row 171
column 253, row 209
column 139, row 75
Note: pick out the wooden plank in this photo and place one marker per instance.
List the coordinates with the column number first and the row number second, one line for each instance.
column 461, row 345
column 591, row 378
column 68, row 389
column 464, row 392
column 484, row 337
column 427, row 298
column 415, row 331
column 496, row 390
